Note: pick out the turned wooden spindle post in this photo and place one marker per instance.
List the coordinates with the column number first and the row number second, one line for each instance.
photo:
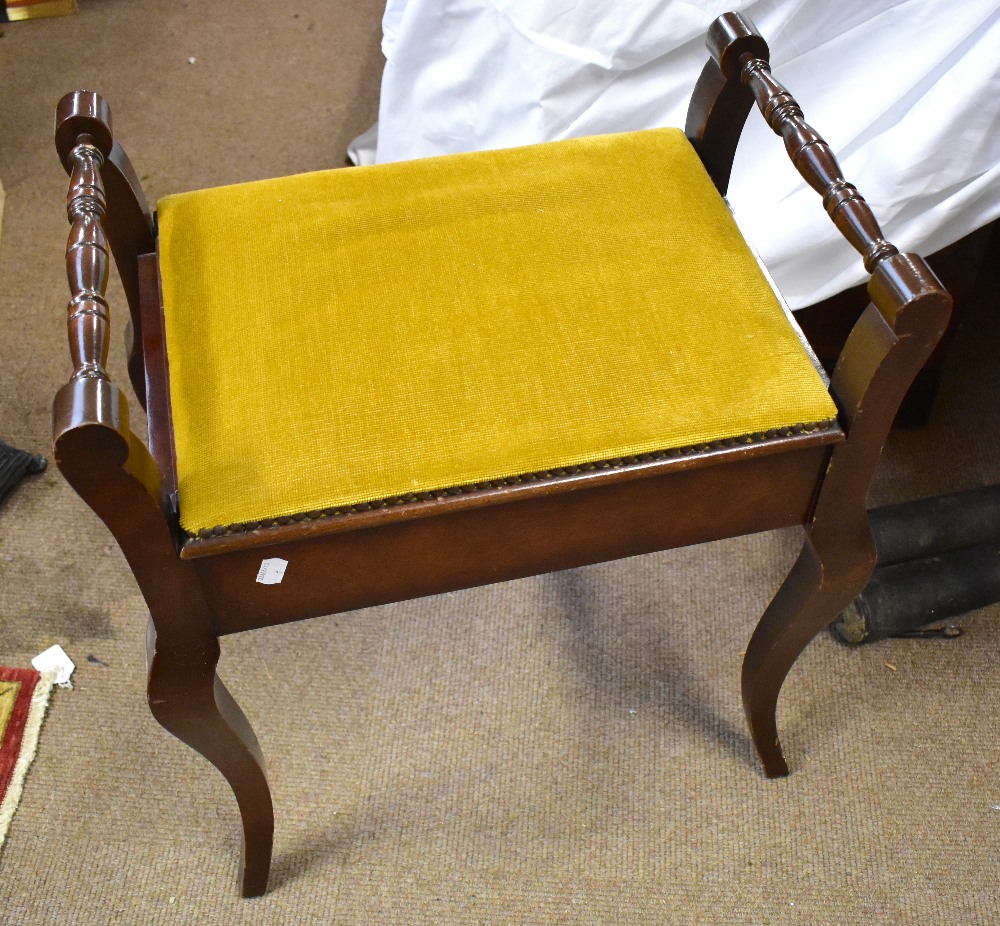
column 109, row 218
column 87, row 264
column 816, row 162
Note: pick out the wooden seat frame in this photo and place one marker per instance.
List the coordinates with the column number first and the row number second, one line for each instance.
column 199, row 589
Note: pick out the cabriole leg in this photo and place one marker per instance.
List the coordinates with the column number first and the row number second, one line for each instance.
column 810, row 598
column 187, row 697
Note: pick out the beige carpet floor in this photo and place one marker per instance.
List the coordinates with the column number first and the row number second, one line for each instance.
column 566, row 749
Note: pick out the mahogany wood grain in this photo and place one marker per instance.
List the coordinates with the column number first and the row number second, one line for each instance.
column 304, row 527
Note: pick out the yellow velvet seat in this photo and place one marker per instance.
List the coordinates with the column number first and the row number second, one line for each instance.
column 359, row 336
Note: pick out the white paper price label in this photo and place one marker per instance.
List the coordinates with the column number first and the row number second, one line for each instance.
column 272, row 571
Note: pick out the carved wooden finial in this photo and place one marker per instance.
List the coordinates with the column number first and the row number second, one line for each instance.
column 816, row 162
column 82, row 115
column 87, row 263
column 730, row 39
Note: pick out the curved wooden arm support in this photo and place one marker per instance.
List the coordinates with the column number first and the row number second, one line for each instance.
column 83, row 133
column 721, row 101
column 111, row 469
column 93, row 442
column 886, row 349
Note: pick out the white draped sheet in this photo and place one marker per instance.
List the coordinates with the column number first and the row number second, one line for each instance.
column 907, row 93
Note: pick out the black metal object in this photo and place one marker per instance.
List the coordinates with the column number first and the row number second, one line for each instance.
column 937, row 558
column 905, row 596
column 15, row 465
column 935, row 525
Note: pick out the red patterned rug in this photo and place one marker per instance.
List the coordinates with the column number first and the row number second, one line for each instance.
column 13, row 10
column 24, row 695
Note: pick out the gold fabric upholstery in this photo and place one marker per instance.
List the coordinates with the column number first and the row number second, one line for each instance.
column 345, row 336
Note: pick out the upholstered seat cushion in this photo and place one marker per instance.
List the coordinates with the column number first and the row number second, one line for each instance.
column 353, row 335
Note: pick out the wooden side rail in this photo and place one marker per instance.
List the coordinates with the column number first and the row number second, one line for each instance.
column 84, row 135
column 94, row 446
column 721, row 102
column 89, row 402
column 734, row 44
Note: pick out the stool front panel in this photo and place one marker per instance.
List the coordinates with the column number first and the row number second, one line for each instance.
column 398, row 555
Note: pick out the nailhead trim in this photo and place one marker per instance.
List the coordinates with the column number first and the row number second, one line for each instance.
column 525, row 478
